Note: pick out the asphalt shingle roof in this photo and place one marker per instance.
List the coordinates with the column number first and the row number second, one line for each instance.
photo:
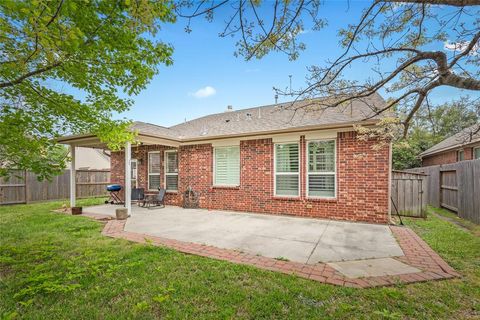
column 464, row 137
column 154, row 130
column 266, row 118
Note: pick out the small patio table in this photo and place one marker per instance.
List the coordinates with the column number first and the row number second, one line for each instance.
column 148, row 200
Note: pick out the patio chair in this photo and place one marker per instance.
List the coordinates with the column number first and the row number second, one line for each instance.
column 138, row 194
column 157, row 200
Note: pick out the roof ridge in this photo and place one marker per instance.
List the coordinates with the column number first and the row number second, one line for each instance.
column 246, row 109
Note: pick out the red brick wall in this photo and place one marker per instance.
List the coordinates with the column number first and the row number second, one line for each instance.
column 468, row 153
column 362, row 181
column 442, row 158
column 140, row 153
column 449, row 156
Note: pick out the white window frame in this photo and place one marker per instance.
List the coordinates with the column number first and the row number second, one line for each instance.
column 153, row 174
column 474, row 150
column 307, row 156
column 136, row 173
column 169, row 174
column 286, row 173
column 215, row 148
column 462, row 151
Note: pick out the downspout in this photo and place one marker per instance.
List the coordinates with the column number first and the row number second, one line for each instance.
column 390, row 164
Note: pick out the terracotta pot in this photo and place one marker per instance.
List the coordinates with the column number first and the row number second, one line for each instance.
column 76, row 210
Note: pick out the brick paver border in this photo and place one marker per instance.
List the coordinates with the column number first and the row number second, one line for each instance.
column 417, row 254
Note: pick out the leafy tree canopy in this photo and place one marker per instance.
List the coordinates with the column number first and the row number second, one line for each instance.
column 101, row 49
column 432, row 125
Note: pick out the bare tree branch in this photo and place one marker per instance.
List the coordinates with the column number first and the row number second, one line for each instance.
column 30, row 74
column 455, row 3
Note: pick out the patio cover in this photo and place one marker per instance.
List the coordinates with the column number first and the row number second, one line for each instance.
column 92, row 141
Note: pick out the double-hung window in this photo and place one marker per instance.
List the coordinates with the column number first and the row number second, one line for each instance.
column 171, row 170
column 287, row 169
column 153, row 170
column 476, row 153
column 226, row 166
column 460, row 155
column 321, row 169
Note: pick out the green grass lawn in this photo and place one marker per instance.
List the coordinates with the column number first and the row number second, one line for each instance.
column 55, row 266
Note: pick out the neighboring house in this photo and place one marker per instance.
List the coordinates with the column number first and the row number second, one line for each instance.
column 91, row 159
column 464, row 145
column 269, row 159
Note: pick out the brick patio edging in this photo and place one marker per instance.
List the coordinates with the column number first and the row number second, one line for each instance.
column 417, row 254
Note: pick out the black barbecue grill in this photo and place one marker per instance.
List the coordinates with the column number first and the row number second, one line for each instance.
column 114, row 190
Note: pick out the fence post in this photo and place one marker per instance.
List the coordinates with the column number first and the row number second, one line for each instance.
column 25, row 177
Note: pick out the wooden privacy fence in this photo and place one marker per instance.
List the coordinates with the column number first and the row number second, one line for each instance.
column 23, row 187
column 456, row 187
column 408, row 194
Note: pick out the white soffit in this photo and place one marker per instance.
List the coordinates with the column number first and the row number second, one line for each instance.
column 323, row 134
column 226, row 142
column 292, row 137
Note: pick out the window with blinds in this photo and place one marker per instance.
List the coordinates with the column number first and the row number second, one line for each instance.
column 153, row 170
column 227, row 166
column 321, row 169
column 171, row 170
column 287, row 169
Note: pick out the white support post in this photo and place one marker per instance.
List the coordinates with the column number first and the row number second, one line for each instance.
column 128, row 178
column 72, row 177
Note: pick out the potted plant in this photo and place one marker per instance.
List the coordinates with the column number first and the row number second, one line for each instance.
column 76, row 210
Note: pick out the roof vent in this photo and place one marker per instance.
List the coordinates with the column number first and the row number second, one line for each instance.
column 229, row 108
column 249, row 116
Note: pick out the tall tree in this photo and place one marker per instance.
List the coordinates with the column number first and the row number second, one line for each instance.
column 413, row 47
column 99, row 50
column 430, row 126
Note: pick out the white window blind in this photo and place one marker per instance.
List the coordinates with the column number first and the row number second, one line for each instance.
column 153, row 170
column 321, row 169
column 171, row 170
column 227, row 166
column 287, row 169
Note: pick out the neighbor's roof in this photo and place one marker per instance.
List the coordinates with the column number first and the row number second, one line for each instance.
column 464, row 137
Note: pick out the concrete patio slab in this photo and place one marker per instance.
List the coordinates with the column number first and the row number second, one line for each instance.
column 301, row 240
column 418, row 263
column 373, row 268
column 354, row 241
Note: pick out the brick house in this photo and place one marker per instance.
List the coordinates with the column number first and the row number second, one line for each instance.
column 276, row 159
column 464, row 145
